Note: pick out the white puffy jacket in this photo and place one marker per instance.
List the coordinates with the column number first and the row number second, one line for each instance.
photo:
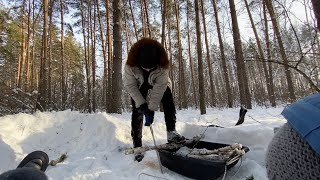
column 158, row 78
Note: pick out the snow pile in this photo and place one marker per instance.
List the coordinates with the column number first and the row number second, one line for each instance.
column 94, row 143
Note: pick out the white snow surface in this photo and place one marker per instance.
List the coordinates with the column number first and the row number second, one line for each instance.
column 94, row 143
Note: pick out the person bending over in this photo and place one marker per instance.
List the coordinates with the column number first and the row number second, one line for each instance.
column 146, row 78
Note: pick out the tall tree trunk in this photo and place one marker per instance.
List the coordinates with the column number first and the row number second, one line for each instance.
column 104, row 54
column 89, row 41
column 143, row 27
column 200, row 66
column 261, row 56
column 223, row 57
column 63, row 87
column 212, row 87
column 133, row 21
column 27, row 83
column 93, row 40
column 163, row 28
column 147, row 17
column 245, row 97
column 190, row 56
column 269, row 6
column 117, row 64
column 50, row 52
column 126, row 31
column 42, row 99
column 270, row 69
column 182, row 86
column 22, row 57
column 32, row 69
column 86, row 57
column 109, row 45
column 170, row 50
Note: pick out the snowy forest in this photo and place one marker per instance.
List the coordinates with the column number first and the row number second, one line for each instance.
column 69, row 54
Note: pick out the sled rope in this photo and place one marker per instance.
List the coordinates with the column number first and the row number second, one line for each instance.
column 201, row 137
column 209, row 122
column 225, row 173
column 237, row 169
column 256, row 120
column 278, row 116
column 157, row 177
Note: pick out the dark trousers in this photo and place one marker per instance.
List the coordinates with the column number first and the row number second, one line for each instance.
column 137, row 118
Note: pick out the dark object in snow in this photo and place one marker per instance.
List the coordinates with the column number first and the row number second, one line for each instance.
column 59, row 160
column 242, row 114
column 198, row 168
column 138, row 157
column 36, row 159
column 250, row 177
column 213, row 125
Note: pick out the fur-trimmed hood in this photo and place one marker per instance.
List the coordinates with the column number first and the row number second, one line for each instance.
column 133, row 53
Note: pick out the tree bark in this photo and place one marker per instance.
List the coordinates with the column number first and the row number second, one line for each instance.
column 170, row 57
column 245, row 97
column 270, row 69
column 134, row 21
column 93, row 60
column 163, row 28
column 32, row 73
column 147, row 17
column 200, row 66
column 117, row 64
column 110, row 59
column 104, row 54
column 42, row 99
column 261, row 54
column 223, row 57
column 126, row 31
column 269, row 6
column 190, row 57
column 212, row 87
column 63, row 88
column 86, row 57
column 27, row 83
column 22, row 57
column 143, row 26
column 182, row 86
column 50, row 52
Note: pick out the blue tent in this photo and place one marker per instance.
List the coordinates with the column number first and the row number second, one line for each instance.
column 304, row 117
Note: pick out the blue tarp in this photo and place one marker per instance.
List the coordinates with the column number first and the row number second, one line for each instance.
column 304, row 117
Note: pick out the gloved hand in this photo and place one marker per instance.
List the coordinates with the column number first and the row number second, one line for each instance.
column 143, row 108
column 149, row 117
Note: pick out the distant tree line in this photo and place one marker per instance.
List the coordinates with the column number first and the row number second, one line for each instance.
column 68, row 54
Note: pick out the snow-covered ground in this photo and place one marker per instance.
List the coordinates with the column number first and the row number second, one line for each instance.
column 94, row 143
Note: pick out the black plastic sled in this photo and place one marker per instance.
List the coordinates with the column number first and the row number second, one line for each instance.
column 198, row 168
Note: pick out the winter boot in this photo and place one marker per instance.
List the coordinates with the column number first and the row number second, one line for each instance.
column 175, row 137
column 37, row 160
